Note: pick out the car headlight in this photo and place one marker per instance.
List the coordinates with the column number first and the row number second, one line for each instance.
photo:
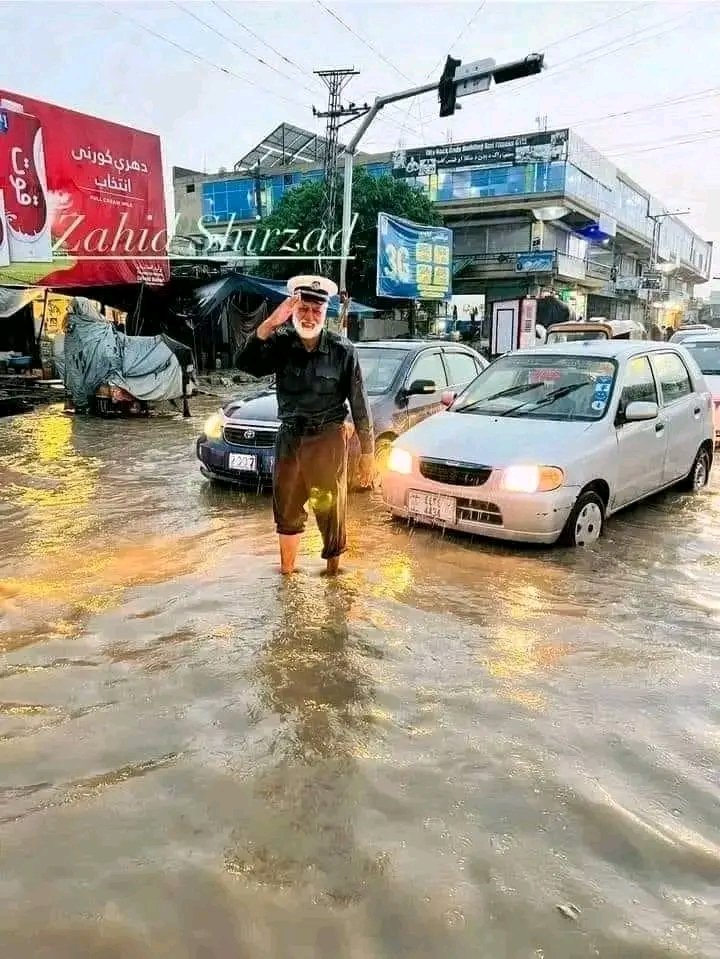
column 213, row 427
column 400, row 461
column 532, row 479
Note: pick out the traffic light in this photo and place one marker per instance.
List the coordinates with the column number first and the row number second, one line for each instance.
column 447, row 90
column 520, row 68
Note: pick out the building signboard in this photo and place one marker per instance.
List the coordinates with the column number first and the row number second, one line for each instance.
column 541, row 261
column 545, row 147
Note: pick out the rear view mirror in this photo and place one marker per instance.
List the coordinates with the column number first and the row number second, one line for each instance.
column 637, row 411
column 448, row 398
column 421, row 388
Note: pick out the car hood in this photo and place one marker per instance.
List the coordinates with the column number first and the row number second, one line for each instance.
column 263, row 407
column 496, row 440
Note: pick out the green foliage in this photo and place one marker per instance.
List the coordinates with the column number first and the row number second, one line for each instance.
column 301, row 209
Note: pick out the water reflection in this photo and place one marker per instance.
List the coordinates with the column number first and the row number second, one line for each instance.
column 51, row 481
column 312, row 679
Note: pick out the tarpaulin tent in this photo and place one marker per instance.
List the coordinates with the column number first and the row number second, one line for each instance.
column 150, row 368
column 210, row 296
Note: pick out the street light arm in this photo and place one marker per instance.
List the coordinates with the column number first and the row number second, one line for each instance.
column 377, row 106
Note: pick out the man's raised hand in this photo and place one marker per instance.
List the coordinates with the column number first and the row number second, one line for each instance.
column 278, row 317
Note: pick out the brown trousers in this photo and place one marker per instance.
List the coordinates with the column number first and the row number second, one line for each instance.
column 312, row 468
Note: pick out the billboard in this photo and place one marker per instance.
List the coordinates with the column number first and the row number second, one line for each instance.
column 545, row 147
column 414, row 262
column 83, row 198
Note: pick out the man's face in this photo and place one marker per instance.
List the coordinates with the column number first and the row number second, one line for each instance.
column 309, row 318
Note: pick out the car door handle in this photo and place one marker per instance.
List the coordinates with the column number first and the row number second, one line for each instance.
column 659, row 427
column 697, row 411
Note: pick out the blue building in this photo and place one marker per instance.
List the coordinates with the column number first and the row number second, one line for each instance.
column 599, row 240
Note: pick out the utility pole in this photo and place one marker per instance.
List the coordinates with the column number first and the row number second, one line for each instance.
column 542, row 122
column 473, row 78
column 335, row 81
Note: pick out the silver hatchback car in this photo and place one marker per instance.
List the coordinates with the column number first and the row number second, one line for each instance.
column 548, row 442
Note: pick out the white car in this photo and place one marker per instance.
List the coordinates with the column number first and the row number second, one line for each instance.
column 548, row 442
column 690, row 332
column 705, row 350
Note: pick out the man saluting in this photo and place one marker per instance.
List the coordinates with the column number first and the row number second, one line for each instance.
column 317, row 373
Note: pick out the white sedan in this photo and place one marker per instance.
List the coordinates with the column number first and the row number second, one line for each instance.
column 705, row 350
column 548, row 442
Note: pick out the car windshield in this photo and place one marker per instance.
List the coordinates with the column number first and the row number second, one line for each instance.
column 380, row 367
column 542, row 387
column 706, row 355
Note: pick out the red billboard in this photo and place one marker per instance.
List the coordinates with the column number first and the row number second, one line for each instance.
column 82, row 200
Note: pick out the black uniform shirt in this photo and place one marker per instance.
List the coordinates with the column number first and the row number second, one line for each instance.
column 313, row 386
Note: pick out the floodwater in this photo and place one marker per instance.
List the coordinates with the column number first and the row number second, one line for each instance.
column 457, row 749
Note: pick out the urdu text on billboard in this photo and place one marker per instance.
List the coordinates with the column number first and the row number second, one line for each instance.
column 546, row 147
column 81, row 199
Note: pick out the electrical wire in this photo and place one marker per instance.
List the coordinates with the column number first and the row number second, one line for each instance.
column 672, row 101
column 459, row 37
column 364, row 41
column 257, row 37
column 700, row 137
column 200, row 59
column 237, row 45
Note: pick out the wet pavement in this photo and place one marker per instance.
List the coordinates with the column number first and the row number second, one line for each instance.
column 457, row 749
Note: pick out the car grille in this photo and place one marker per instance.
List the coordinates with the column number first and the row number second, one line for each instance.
column 475, row 511
column 453, row 475
column 247, row 436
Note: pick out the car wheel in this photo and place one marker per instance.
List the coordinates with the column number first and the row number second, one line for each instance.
column 586, row 521
column 699, row 476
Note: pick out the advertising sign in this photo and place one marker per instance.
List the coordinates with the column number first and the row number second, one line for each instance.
column 540, row 262
column 414, row 262
column 4, row 248
column 528, row 322
column 543, row 147
column 84, row 198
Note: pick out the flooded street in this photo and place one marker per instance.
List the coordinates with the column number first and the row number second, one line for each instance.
column 457, row 749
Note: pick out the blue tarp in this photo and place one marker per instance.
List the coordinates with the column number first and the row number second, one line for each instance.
column 211, row 295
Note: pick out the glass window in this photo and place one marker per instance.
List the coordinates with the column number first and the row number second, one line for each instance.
column 429, row 367
column 379, row 368
column 706, row 355
column 552, row 387
column 639, row 383
column 674, row 377
column 461, row 368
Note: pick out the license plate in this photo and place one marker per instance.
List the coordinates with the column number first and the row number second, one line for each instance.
column 242, row 462
column 432, row 506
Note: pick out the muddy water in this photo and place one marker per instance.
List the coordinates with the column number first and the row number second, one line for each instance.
column 457, row 749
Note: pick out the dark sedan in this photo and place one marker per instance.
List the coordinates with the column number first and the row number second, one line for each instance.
column 405, row 382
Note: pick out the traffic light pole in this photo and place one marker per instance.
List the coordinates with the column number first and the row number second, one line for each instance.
column 480, row 80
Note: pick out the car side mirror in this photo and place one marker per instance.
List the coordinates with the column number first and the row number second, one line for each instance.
column 421, row 388
column 638, row 411
column 448, row 398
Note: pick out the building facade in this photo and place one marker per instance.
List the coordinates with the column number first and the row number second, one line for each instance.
column 531, row 214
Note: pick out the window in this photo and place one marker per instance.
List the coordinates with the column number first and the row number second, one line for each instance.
column 639, row 383
column 429, row 367
column 189, row 187
column 674, row 378
column 379, row 368
column 461, row 368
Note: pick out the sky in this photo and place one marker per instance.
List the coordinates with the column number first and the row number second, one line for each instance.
column 213, row 78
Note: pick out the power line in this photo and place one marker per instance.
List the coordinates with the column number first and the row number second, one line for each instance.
column 362, row 40
column 200, row 59
column 603, row 49
column 672, row 101
column 459, row 37
column 699, row 137
column 260, row 39
column 237, row 45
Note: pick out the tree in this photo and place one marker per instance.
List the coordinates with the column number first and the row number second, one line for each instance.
column 301, row 209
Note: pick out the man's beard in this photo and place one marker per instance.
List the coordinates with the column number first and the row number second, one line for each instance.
column 305, row 332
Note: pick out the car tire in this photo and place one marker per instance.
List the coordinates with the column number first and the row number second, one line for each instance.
column 699, row 475
column 586, row 522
